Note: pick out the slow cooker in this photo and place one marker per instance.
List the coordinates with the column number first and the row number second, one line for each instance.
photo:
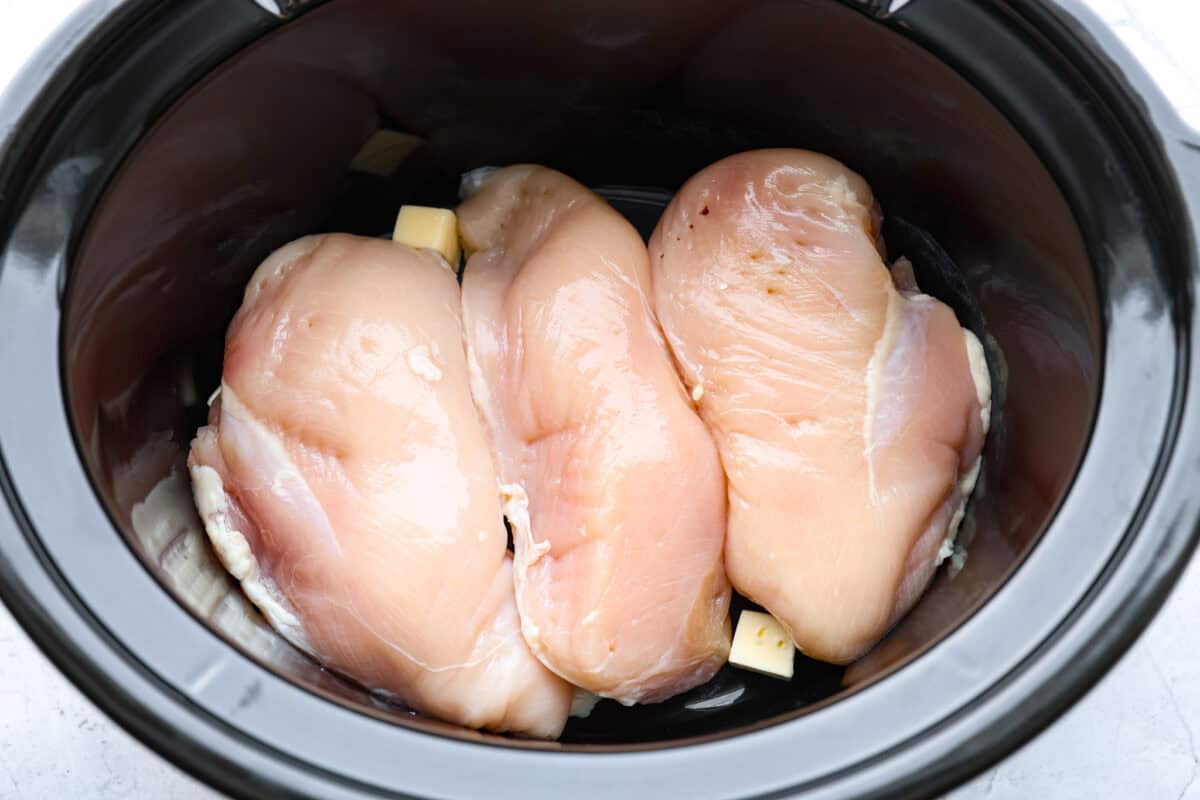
column 153, row 153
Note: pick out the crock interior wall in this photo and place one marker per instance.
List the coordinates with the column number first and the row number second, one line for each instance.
column 619, row 92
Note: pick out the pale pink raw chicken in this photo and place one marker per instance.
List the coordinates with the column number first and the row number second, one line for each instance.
column 345, row 479
column 849, row 412
column 613, row 484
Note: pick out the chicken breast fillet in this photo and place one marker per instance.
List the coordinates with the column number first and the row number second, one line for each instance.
column 849, row 408
column 345, row 479
column 613, row 484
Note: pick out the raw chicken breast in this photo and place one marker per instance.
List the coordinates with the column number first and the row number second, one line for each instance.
column 345, row 480
column 613, row 484
column 849, row 412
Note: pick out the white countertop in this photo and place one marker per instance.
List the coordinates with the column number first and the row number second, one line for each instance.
column 1134, row 735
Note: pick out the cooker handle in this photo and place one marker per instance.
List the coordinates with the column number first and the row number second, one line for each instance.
column 286, row 8
column 878, row 8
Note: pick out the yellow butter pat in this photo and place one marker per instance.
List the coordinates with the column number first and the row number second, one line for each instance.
column 761, row 644
column 431, row 228
column 384, row 152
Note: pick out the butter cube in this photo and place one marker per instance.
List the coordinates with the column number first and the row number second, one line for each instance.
column 384, row 152
column 431, row 228
column 761, row 644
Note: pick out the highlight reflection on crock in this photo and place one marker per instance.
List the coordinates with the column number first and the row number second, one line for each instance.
column 498, row 494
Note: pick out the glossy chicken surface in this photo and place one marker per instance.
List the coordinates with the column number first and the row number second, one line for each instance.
column 849, row 408
column 613, row 484
column 346, row 480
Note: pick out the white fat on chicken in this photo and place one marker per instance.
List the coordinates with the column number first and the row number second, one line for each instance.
column 234, row 552
column 172, row 535
column 422, row 364
column 977, row 362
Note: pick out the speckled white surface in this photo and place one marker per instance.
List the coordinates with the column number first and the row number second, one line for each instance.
column 1134, row 736
column 55, row 744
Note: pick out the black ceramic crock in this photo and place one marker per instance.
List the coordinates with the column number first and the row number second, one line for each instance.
column 154, row 152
